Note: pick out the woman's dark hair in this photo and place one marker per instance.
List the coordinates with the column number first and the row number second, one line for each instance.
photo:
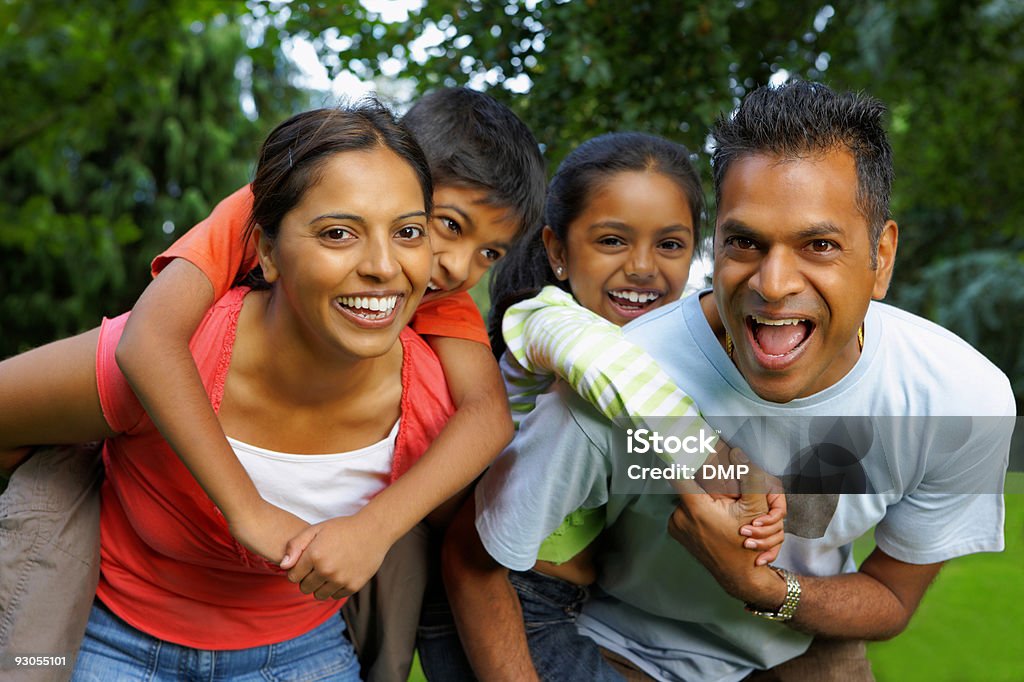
column 525, row 270
column 292, row 159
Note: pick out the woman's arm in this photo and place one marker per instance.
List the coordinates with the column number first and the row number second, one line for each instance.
column 155, row 358
column 347, row 552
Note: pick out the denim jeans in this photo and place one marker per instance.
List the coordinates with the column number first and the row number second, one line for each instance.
column 114, row 650
column 550, row 608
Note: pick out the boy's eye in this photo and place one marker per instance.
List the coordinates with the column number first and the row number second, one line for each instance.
column 410, row 232
column 451, row 225
column 491, row 254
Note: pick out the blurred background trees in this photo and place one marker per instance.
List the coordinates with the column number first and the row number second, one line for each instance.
column 123, row 122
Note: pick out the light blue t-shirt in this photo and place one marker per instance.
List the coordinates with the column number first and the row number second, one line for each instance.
column 931, row 476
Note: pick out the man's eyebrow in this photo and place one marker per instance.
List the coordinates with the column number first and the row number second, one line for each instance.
column 463, row 214
column 411, row 214
column 738, row 228
column 821, row 229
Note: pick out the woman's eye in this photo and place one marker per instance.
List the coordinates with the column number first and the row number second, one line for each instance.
column 336, row 234
column 410, row 232
column 491, row 254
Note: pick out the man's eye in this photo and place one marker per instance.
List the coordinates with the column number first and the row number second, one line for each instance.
column 741, row 243
column 410, row 232
column 823, row 246
column 491, row 254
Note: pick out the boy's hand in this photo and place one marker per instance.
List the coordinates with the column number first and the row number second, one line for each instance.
column 266, row 531
column 335, row 558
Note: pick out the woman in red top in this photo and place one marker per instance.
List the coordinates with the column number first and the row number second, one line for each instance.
column 325, row 395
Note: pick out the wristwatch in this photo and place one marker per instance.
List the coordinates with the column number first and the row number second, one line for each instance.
column 789, row 604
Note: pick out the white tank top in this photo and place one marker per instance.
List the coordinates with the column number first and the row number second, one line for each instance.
column 319, row 487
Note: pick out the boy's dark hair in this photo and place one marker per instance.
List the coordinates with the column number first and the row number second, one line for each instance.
column 525, row 269
column 801, row 119
column 471, row 140
column 293, row 156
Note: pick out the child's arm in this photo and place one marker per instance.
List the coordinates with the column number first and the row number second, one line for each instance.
column 154, row 356
column 342, row 554
column 552, row 334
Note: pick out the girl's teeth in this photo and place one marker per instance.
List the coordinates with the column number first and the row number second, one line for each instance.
column 635, row 296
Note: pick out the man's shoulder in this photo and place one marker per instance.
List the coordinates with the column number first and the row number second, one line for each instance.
column 929, row 355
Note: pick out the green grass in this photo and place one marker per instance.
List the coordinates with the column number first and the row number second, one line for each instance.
column 970, row 625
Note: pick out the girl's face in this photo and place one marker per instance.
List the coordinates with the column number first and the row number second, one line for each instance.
column 629, row 251
column 352, row 259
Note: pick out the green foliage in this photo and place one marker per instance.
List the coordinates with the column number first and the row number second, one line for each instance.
column 127, row 128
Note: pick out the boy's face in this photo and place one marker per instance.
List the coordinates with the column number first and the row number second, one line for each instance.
column 468, row 236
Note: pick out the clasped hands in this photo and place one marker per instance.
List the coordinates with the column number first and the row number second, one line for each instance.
column 329, row 560
column 734, row 528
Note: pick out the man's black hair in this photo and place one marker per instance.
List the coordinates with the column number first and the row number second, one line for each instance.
column 801, row 119
column 472, row 140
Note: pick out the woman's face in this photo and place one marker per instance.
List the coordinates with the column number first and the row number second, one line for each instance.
column 352, row 259
column 629, row 251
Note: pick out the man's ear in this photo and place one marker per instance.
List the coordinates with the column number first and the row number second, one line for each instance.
column 265, row 253
column 885, row 260
column 556, row 253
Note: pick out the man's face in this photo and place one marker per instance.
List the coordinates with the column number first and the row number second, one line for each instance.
column 793, row 275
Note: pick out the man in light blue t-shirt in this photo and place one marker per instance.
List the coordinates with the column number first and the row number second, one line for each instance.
column 891, row 421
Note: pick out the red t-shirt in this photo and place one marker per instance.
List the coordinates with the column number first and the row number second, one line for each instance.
column 169, row 566
column 217, row 246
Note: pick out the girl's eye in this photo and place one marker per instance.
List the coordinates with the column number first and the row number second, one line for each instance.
column 410, row 232
column 491, row 254
column 671, row 245
column 611, row 241
column 336, row 234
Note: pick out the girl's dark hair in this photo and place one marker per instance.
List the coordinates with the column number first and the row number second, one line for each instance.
column 292, row 159
column 525, row 270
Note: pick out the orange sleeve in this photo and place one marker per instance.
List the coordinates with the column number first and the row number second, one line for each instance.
column 454, row 316
column 217, row 245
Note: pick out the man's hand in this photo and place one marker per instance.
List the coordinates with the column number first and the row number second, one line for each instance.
column 335, row 558
column 711, row 528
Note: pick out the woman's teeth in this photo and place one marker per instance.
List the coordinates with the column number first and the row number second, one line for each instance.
column 370, row 307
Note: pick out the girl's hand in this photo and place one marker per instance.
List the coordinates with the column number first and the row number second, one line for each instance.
column 335, row 558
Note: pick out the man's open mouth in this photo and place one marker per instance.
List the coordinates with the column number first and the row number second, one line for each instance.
column 778, row 339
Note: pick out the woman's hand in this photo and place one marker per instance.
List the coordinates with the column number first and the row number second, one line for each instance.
column 266, row 531
column 335, row 558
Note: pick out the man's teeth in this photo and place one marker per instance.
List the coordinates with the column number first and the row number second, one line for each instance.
column 635, row 296
column 777, row 323
column 372, row 307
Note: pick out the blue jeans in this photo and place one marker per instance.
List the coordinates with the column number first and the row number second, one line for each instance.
column 550, row 608
column 114, row 650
